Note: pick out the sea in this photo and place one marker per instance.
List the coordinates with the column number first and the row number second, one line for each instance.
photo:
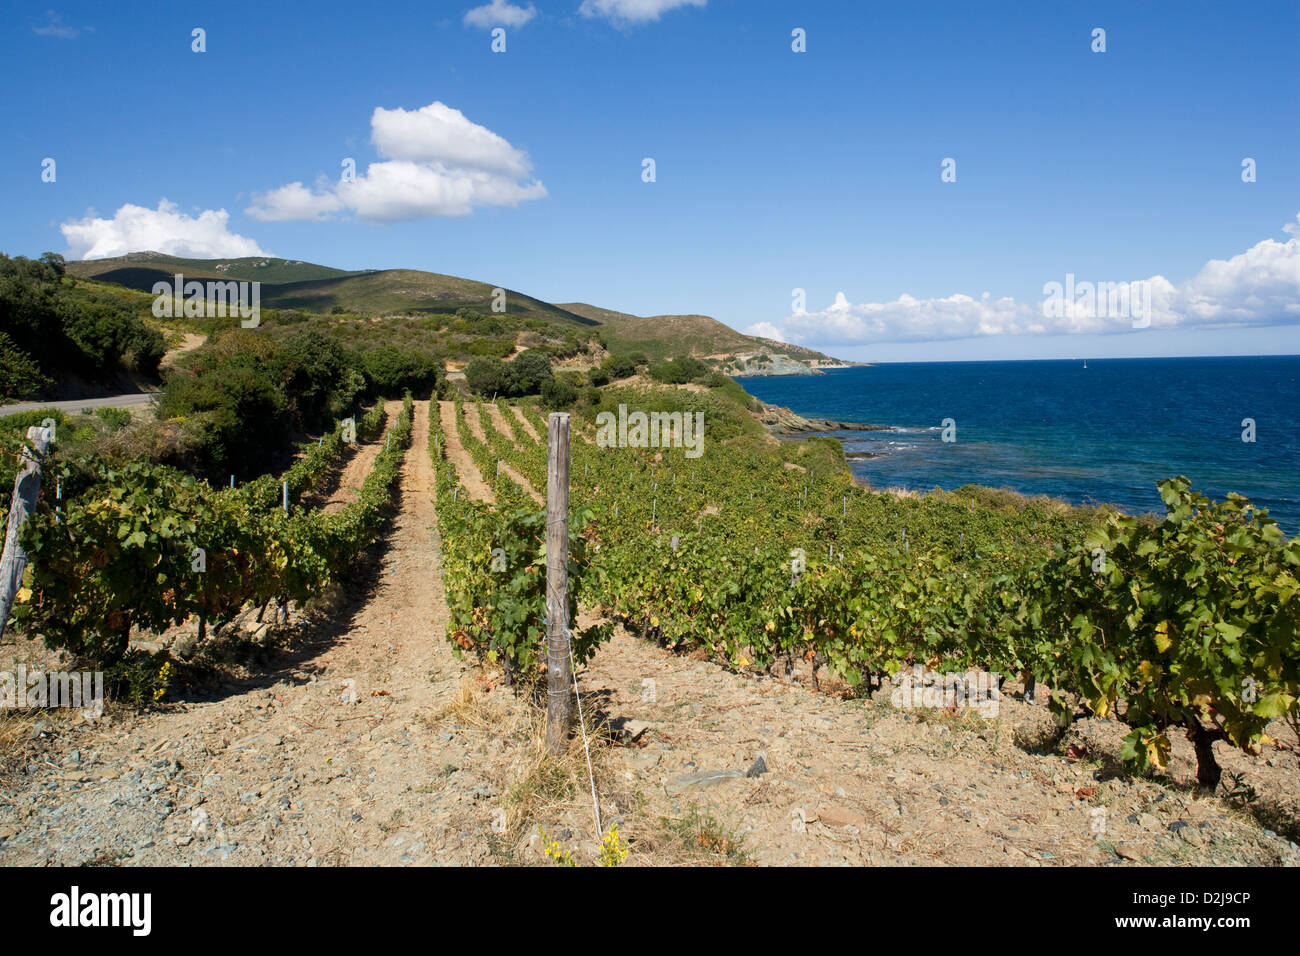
column 1084, row 430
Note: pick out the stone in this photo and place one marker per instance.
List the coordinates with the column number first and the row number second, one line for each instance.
column 701, row 780
column 634, row 729
column 1126, row 852
column 185, row 646
column 759, row 767
column 642, row 760
column 835, row 816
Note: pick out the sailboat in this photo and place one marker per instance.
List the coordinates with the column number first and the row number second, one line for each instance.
column 1085, row 363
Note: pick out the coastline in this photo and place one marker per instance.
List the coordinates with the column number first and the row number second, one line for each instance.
column 1051, row 428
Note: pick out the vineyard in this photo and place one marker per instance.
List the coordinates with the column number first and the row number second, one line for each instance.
column 143, row 547
column 764, row 558
column 1186, row 624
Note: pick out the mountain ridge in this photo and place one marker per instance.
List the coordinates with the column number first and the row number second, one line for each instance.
column 297, row 284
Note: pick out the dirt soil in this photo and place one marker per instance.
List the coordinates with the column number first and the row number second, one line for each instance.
column 502, row 426
column 361, row 458
column 353, row 735
column 525, row 424
column 500, row 423
column 466, row 470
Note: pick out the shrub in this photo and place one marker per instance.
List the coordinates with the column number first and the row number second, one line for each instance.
column 678, row 371
column 392, row 371
column 113, row 418
column 489, row 376
column 532, row 369
column 620, row 366
column 558, row 394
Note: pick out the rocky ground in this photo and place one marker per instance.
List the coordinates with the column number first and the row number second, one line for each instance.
column 352, row 735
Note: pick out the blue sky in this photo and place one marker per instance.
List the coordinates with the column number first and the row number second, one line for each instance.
column 775, row 170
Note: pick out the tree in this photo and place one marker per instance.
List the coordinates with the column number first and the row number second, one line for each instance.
column 489, row 376
column 620, row 366
column 320, row 379
column 678, row 371
column 558, row 394
column 20, row 374
column 532, row 369
column 392, row 371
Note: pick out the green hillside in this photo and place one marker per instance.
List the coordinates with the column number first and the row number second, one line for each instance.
column 292, row 284
column 594, row 312
column 140, row 270
column 409, row 291
column 662, row 336
column 312, row 288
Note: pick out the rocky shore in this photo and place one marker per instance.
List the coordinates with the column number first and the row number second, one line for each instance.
column 782, row 421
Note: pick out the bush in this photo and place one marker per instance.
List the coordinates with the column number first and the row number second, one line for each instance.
column 320, row 379
column 113, row 418
column 620, row 366
column 392, row 371
column 532, row 369
column 598, row 377
column 489, row 376
column 558, row 394
column 677, row 371
column 235, row 401
column 20, row 374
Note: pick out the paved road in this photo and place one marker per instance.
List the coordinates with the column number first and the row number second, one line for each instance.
column 76, row 405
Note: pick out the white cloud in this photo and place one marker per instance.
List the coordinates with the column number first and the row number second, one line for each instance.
column 398, row 190
column 766, row 330
column 55, row 27
column 1259, row 287
column 632, row 11
column 165, row 229
column 436, row 163
column 499, row 13
column 295, row 201
column 439, row 134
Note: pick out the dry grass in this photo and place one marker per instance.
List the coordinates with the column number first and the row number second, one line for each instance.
column 548, row 789
column 696, row 838
column 471, row 705
column 954, row 718
column 16, row 731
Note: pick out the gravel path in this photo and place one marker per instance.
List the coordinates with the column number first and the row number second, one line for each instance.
column 333, row 754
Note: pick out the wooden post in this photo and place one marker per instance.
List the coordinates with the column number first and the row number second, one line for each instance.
column 559, row 679
column 27, row 487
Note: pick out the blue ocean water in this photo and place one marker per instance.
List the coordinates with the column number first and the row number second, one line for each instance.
column 1104, row 433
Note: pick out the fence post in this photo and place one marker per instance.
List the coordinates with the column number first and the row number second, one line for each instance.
column 27, row 487
column 559, row 679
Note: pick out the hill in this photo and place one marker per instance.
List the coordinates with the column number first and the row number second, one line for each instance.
column 410, row 291
column 293, row 284
column 140, row 270
column 662, row 336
